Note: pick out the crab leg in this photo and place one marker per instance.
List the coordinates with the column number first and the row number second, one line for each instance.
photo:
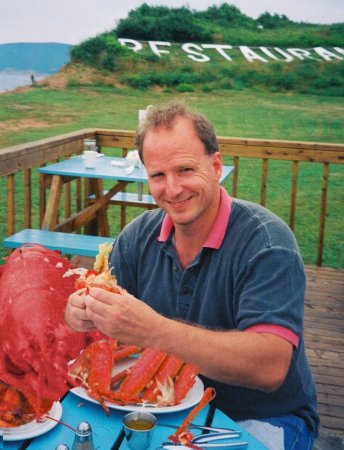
column 100, row 373
column 123, row 351
column 184, row 381
column 161, row 388
column 208, row 395
column 140, row 374
column 94, row 368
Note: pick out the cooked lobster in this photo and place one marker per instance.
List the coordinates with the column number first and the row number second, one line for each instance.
column 35, row 343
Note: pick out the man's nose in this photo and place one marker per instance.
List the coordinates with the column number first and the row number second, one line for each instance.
column 173, row 187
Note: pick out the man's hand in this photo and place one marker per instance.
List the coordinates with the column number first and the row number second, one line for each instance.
column 75, row 313
column 122, row 316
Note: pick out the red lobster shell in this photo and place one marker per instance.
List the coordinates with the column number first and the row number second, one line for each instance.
column 35, row 342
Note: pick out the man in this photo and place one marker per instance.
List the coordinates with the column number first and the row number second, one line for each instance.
column 216, row 281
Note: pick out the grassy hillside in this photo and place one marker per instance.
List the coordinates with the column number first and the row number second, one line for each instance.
column 174, row 70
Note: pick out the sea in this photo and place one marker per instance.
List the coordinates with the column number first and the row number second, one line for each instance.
column 12, row 79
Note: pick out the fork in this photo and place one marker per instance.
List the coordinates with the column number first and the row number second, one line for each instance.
column 231, row 446
column 206, row 438
column 203, row 428
column 208, row 441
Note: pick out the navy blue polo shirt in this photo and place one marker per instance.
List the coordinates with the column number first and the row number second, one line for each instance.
column 248, row 276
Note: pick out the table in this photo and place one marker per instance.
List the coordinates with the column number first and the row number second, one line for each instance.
column 71, row 168
column 107, row 430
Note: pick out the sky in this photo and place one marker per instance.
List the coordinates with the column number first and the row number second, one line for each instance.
column 73, row 21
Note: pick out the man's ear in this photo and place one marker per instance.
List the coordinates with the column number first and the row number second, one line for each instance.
column 217, row 164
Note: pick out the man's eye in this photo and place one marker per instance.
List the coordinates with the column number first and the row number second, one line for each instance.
column 156, row 175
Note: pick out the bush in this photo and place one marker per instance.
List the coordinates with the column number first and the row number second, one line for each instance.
column 138, row 81
column 100, row 51
column 163, row 23
column 286, row 81
column 185, row 87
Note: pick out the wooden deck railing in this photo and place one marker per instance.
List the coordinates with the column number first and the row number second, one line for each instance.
column 21, row 161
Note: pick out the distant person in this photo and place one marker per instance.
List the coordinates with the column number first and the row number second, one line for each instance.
column 33, row 79
column 215, row 280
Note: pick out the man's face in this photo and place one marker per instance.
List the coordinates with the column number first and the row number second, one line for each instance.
column 183, row 179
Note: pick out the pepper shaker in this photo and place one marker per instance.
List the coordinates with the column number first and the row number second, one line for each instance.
column 83, row 439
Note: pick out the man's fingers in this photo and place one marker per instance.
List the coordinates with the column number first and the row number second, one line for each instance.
column 104, row 296
column 84, row 325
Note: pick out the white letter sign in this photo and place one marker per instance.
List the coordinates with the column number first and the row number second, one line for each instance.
column 192, row 54
column 136, row 44
column 250, row 55
column 220, row 49
column 326, row 54
column 196, row 51
column 154, row 46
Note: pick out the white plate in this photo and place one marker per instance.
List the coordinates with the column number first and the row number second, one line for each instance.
column 192, row 398
column 34, row 429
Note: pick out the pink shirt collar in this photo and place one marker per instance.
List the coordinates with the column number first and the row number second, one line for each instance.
column 218, row 231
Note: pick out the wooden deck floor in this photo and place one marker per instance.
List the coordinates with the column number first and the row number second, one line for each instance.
column 324, row 336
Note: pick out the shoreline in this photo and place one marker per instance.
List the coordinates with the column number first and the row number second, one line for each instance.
column 10, row 79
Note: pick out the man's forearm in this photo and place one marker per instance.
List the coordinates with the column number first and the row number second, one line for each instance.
column 254, row 360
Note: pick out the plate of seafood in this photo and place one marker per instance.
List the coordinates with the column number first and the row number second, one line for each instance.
column 133, row 390
column 192, row 398
column 33, row 429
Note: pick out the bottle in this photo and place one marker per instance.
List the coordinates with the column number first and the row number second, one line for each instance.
column 83, row 439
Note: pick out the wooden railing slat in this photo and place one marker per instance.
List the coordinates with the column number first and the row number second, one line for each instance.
column 42, row 198
column 263, row 182
column 322, row 213
column 78, row 196
column 235, row 176
column 295, row 173
column 27, row 197
column 67, row 200
column 10, row 204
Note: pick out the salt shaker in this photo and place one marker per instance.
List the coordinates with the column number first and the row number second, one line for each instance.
column 62, row 447
column 83, row 439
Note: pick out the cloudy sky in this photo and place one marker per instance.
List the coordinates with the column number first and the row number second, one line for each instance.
column 73, row 21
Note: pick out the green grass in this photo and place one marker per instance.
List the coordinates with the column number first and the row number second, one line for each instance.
column 39, row 113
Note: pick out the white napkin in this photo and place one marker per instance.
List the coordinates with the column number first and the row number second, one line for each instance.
column 269, row 435
column 132, row 160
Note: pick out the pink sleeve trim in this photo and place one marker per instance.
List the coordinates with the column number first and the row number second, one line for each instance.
column 278, row 330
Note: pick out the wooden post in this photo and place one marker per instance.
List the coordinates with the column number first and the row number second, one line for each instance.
column 10, row 204
column 27, row 197
column 235, row 176
column 263, row 182
column 295, row 172
column 322, row 213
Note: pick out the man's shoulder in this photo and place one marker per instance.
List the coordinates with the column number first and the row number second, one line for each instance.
column 252, row 219
column 255, row 213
